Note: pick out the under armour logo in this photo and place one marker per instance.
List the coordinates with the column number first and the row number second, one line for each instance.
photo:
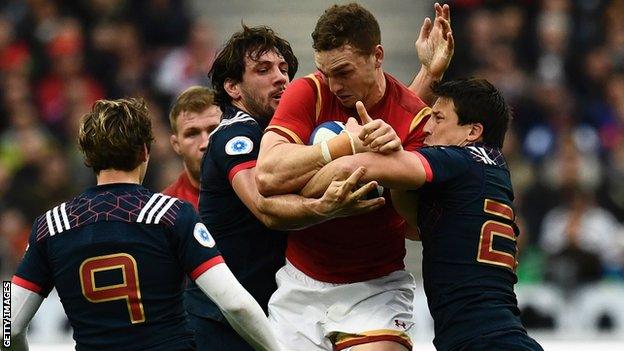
column 399, row 323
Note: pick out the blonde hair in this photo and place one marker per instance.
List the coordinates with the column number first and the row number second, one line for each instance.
column 113, row 135
column 194, row 99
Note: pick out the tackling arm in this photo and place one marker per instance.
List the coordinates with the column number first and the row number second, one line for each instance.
column 290, row 211
column 238, row 306
column 24, row 304
column 401, row 170
column 284, row 167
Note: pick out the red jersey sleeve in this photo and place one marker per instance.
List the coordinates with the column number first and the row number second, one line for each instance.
column 416, row 137
column 296, row 113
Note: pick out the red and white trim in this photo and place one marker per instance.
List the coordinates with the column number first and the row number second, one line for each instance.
column 206, row 266
column 426, row 166
column 26, row 284
column 240, row 167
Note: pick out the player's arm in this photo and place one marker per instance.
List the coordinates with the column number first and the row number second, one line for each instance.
column 238, row 307
column 435, row 46
column 290, row 211
column 24, row 305
column 31, row 283
column 402, row 170
column 405, row 202
column 285, row 162
column 201, row 260
column 284, row 167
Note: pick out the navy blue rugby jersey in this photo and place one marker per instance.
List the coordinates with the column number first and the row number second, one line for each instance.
column 117, row 255
column 253, row 252
column 466, row 218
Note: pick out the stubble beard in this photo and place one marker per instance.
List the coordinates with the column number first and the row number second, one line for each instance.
column 256, row 107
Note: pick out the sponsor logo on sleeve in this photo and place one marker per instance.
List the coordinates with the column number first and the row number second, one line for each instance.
column 239, row 145
column 202, row 235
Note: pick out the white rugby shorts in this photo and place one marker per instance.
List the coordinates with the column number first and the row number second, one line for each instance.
column 310, row 315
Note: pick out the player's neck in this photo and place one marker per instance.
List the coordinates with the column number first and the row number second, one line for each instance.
column 110, row 176
column 194, row 182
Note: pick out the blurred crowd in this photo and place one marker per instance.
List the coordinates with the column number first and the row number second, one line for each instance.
column 56, row 59
column 560, row 64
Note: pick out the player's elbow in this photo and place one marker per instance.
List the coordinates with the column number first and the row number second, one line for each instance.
column 238, row 309
column 264, row 213
column 264, row 183
column 269, row 183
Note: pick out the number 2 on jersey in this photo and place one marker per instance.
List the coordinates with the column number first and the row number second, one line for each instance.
column 486, row 253
column 129, row 289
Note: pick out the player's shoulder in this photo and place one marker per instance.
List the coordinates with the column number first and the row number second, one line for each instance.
column 162, row 209
column 132, row 205
column 53, row 221
column 477, row 153
column 406, row 98
column 446, row 154
column 235, row 121
column 485, row 154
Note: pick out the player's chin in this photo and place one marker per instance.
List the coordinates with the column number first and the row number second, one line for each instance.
column 273, row 102
column 347, row 102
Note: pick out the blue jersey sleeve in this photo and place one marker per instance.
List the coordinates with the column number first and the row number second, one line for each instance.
column 196, row 247
column 235, row 147
column 33, row 272
column 443, row 163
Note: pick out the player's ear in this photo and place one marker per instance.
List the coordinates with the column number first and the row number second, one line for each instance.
column 379, row 56
column 232, row 88
column 175, row 143
column 144, row 155
column 476, row 132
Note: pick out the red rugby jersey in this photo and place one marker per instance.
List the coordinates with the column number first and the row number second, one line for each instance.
column 183, row 190
column 346, row 250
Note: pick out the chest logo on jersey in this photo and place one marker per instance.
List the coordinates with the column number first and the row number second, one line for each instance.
column 239, row 145
column 202, row 235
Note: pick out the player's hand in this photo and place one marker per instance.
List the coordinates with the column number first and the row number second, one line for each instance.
column 339, row 200
column 376, row 134
column 435, row 44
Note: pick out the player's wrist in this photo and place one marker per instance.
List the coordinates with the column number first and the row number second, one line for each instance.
column 428, row 75
column 338, row 146
column 318, row 208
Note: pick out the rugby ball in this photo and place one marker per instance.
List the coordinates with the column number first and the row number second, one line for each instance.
column 328, row 130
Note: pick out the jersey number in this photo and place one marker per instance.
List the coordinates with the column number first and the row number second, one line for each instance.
column 128, row 290
column 487, row 254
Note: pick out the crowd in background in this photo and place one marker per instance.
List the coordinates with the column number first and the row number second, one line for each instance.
column 560, row 64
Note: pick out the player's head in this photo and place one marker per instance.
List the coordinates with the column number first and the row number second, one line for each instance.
column 252, row 71
column 348, row 51
column 467, row 110
column 116, row 134
column 194, row 115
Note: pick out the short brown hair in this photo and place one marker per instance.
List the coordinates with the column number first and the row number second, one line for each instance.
column 194, row 99
column 346, row 24
column 113, row 135
column 251, row 42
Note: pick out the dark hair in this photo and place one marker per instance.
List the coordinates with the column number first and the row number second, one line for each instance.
column 194, row 99
column 478, row 101
column 346, row 24
column 249, row 42
column 113, row 135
